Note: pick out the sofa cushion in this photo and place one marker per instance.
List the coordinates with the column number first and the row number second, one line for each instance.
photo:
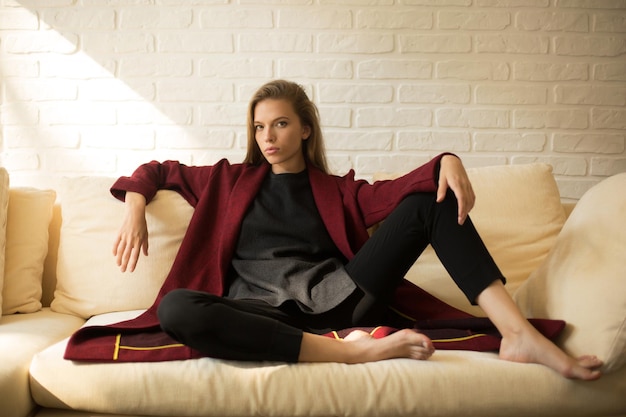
column 29, row 214
column 88, row 279
column 21, row 337
column 518, row 214
column 4, row 203
column 451, row 383
column 583, row 280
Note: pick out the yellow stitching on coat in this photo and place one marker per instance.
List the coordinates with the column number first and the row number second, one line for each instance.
column 402, row 314
column 336, row 335
column 176, row 345
column 459, row 339
column 116, row 350
column 374, row 331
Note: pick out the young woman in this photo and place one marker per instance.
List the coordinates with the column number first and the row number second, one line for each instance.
column 282, row 249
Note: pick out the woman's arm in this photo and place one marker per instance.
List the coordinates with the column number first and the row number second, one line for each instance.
column 132, row 238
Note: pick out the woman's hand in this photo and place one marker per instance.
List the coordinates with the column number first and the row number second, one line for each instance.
column 452, row 175
column 132, row 239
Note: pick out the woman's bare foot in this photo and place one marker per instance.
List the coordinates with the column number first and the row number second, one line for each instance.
column 361, row 347
column 533, row 347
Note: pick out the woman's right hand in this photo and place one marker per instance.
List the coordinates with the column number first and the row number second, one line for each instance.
column 132, row 239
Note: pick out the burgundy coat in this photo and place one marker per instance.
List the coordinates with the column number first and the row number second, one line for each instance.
column 222, row 193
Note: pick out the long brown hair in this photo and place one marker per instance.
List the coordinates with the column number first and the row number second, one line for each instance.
column 313, row 147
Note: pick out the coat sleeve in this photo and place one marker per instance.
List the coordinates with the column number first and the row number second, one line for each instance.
column 376, row 201
column 189, row 181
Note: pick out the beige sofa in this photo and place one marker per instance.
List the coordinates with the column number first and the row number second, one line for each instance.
column 572, row 270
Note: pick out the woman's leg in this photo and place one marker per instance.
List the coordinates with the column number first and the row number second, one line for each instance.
column 254, row 331
column 386, row 257
column 521, row 342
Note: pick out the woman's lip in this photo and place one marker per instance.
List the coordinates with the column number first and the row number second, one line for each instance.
column 271, row 150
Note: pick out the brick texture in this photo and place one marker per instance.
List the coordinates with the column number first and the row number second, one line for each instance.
column 97, row 87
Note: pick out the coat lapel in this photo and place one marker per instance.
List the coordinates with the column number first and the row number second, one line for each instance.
column 329, row 203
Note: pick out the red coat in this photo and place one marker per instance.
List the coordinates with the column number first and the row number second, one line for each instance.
column 222, row 193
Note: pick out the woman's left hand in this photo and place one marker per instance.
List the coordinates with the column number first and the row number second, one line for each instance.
column 452, row 175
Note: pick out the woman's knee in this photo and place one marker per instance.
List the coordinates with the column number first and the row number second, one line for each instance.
column 174, row 308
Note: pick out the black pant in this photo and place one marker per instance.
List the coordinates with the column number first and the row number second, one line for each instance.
column 254, row 330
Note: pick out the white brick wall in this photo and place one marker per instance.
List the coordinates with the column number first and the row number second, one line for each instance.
column 98, row 87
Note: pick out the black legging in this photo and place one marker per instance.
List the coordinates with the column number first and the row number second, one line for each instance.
column 253, row 330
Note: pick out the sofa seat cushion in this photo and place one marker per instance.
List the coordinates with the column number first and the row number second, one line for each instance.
column 444, row 385
column 21, row 337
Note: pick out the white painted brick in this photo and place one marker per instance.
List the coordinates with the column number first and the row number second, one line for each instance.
column 40, row 137
column 155, row 18
column 360, row 43
column 194, row 138
column 77, row 113
column 552, row 21
column 19, row 67
column 190, row 90
column 193, row 42
column 223, row 114
column 590, row 94
column 40, row 42
column 18, row 19
column 355, row 93
column 613, row 71
column 77, row 67
column 550, row 71
column 598, row 46
column 234, row 67
column 591, row 4
column 155, row 66
column 433, row 140
column 387, row 116
column 509, row 142
column 487, row 20
column 438, row 3
column 392, row 163
column 589, row 143
column 475, row 118
column 335, row 116
column 435, row 43
column 212, row 157
column 608, row 118
column 138, row 113
column 513, row 3
column 315, row 68
column 435, row 93
column 24, row 114
column 112, row 89
column 358, row 141
column 608, row 166
column 512, row 44
column 609, row 22
column 561, row 119
column 395, row 69
column 117, row 43
column 20, row 161
column 573, row 189
column 510, row 94
column 79, row 18
column 394, row 19
column 80, row 161
column 472, row 161
column 339, row 164
column 560, row 165
column 275, row 42
column 315, row 19
column 473, row 70
column 129, row 138
column 43, row 90
column 236, row 18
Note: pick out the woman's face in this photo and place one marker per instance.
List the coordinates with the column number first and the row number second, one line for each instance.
column 279, row 135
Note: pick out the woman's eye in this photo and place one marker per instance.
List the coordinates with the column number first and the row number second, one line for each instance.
column 258, row 127
column 281, row 124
